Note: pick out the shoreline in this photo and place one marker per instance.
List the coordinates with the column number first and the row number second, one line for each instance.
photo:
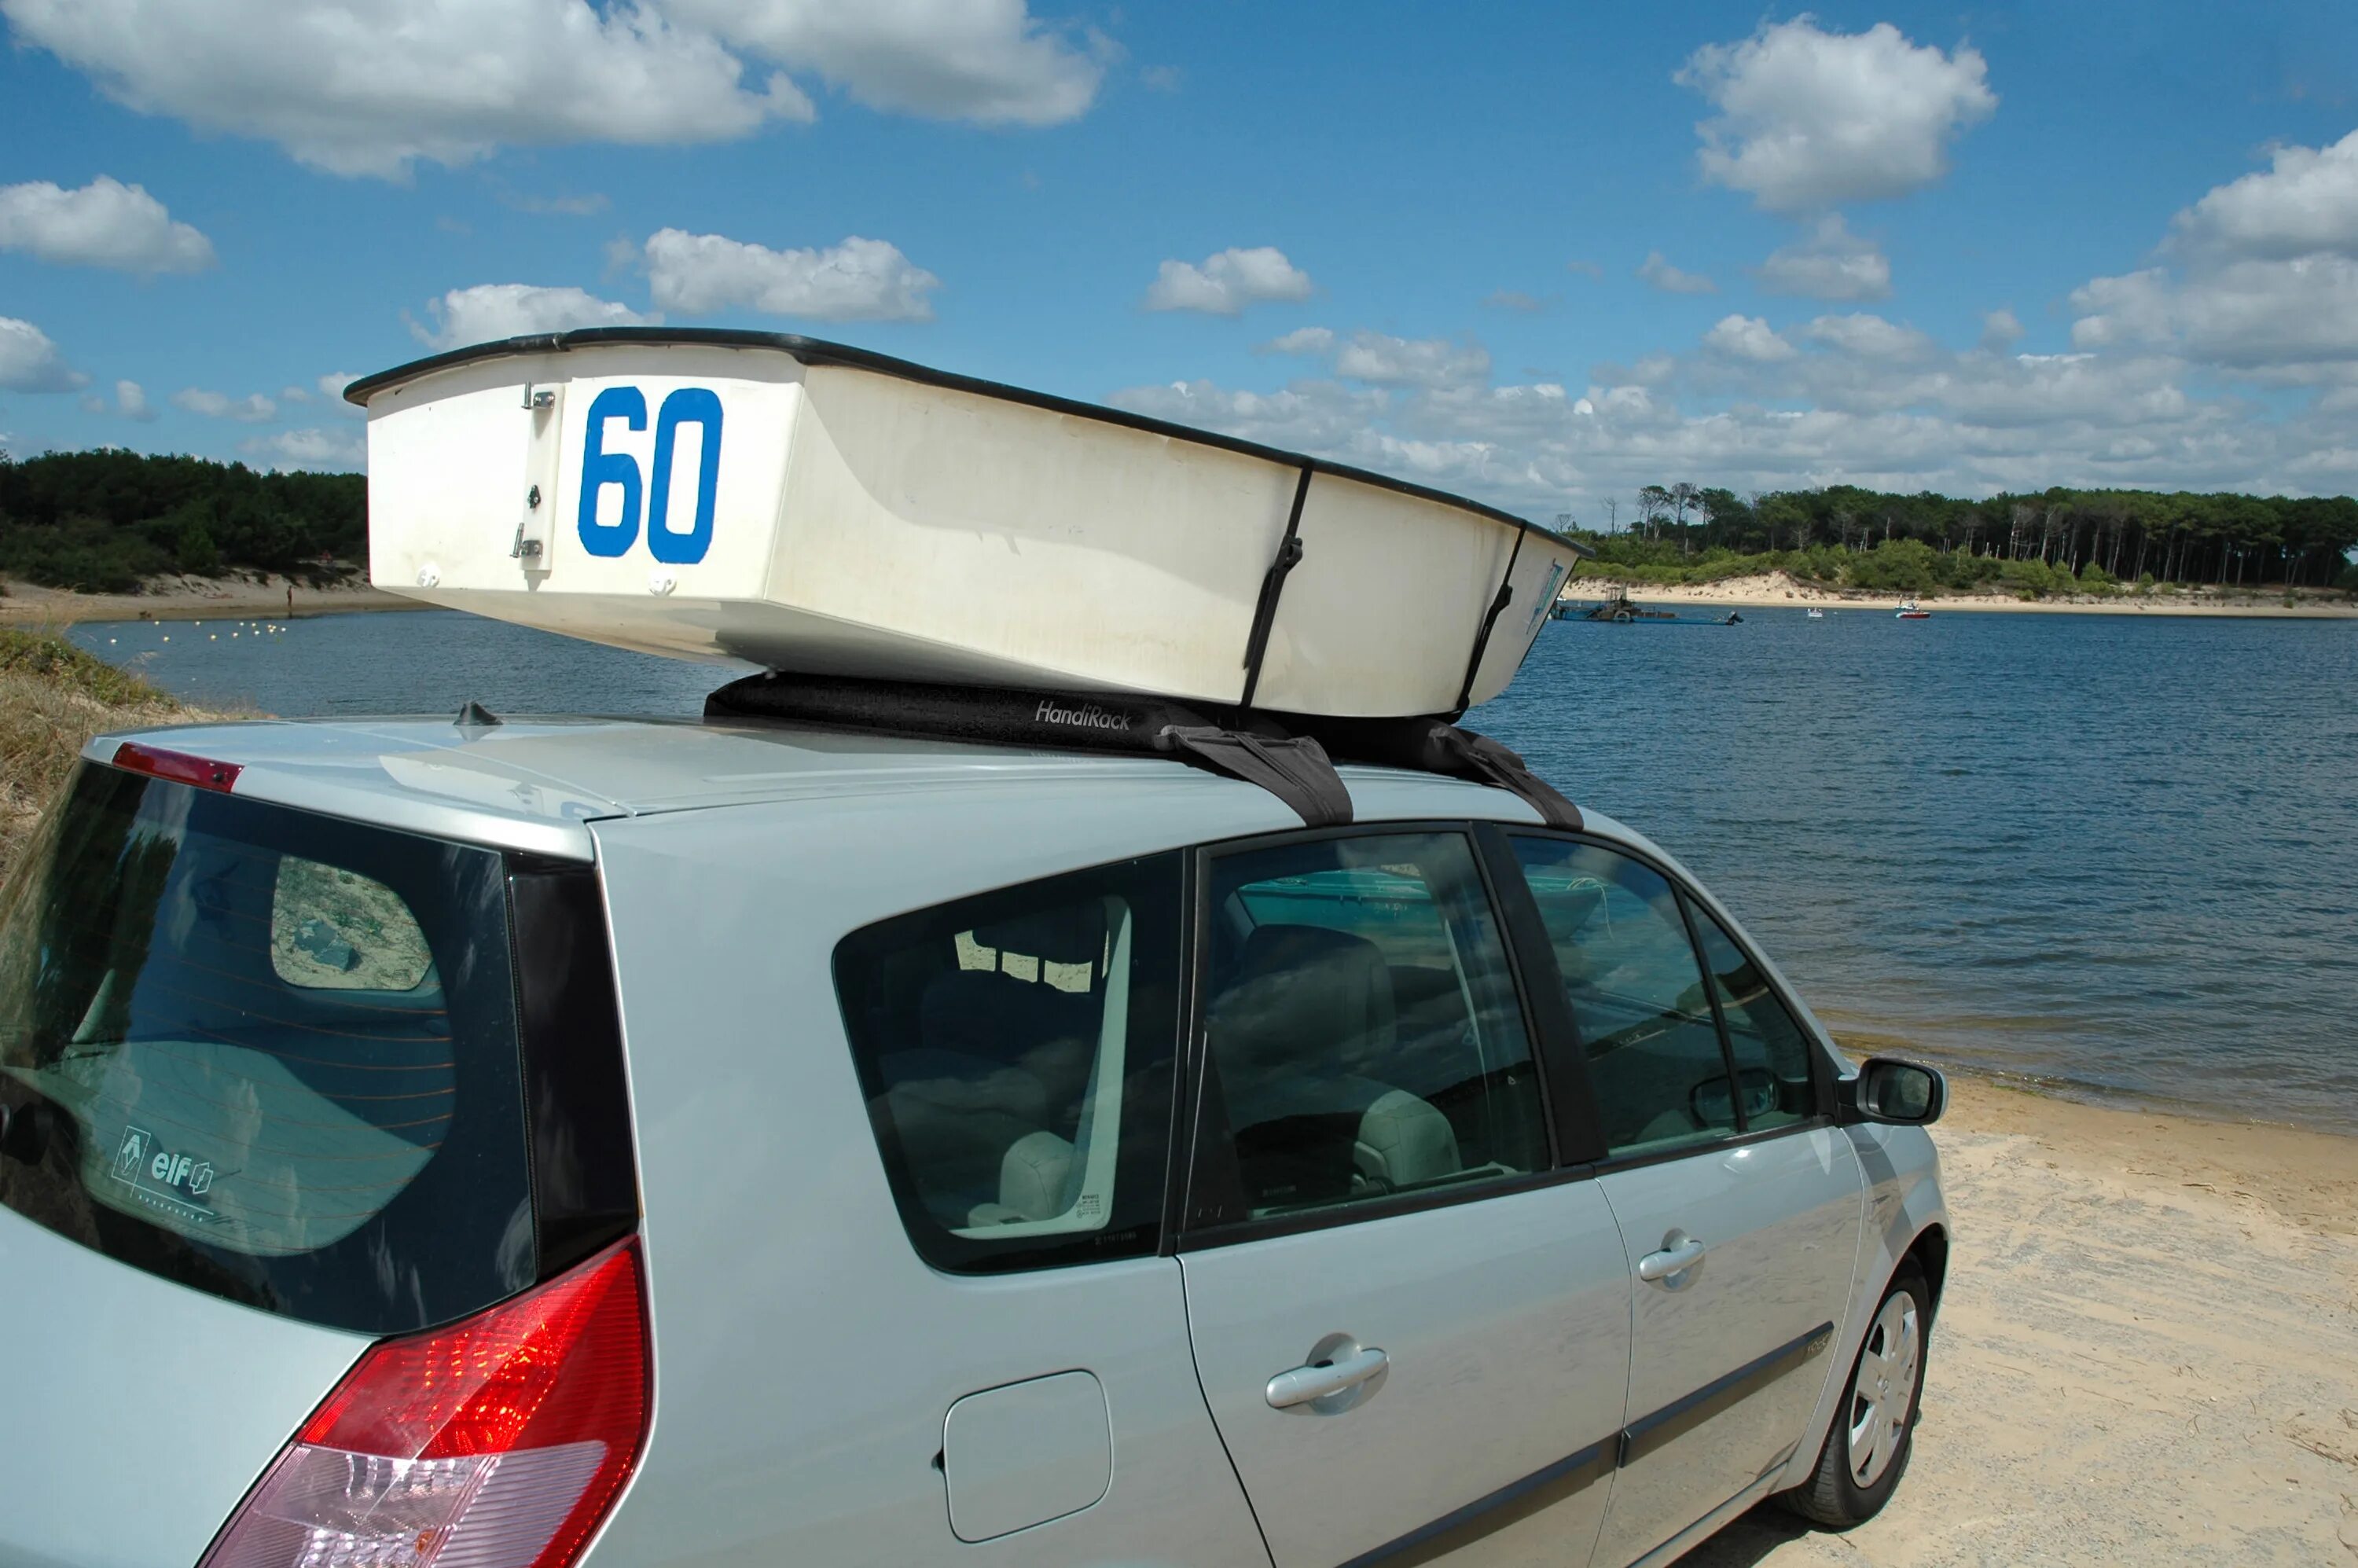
column 1776, row 590
column 193, row 598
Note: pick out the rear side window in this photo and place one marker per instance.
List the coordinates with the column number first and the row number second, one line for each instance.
column 1015, row 1051
column 267, row 1054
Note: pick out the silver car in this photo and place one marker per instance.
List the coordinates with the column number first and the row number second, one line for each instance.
column 558, row 1141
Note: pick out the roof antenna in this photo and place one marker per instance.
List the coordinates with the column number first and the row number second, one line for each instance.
column 475, row 715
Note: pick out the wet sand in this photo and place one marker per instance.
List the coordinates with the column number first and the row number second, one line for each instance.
column 2146, row 1353
column 1775, row 590
column 192, row 599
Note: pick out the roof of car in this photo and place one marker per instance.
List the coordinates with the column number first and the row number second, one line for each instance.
column 534, row 784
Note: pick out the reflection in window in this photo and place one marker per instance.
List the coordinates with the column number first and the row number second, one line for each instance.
column 1654, row 1060
column 1016, row 1050
column 1363, row 1024
column 1772, row 1055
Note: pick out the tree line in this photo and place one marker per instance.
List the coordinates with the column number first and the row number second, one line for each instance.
column 102, row 520
column 2133, row 536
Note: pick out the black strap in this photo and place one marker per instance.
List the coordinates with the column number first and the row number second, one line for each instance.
column 1295, row 770
column 1482, row 637
column 1272, row 584
column 1480, row 758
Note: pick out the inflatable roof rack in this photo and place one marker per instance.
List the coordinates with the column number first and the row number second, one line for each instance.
column 1291, row 755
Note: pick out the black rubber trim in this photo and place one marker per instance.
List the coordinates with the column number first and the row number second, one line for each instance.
column 1578, row 1128
column 585, row 1190
column 1515, row 1501
column 814, row 352
column 1644, row 1436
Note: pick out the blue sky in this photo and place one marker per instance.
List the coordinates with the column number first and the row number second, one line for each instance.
column 1537, row 255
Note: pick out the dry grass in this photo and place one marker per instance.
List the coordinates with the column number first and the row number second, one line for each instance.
column 53, row 698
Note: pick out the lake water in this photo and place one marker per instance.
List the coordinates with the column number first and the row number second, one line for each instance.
column 2114, row 855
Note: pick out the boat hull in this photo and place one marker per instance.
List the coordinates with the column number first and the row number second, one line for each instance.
column 719, row 502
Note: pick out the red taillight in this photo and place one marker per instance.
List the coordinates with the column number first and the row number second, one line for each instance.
column 177, row 766
column 497, row 1442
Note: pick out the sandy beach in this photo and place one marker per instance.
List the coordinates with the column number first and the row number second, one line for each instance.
column 192, row 599
column 1779, row 591
column 2147, row 1352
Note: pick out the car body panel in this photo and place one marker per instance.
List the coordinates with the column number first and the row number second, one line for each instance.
column 807, row 1359
column 1505, row 1321
column 138, row 1411
column 1745, row 1334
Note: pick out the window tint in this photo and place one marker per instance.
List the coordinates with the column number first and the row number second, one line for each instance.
column 266, row 1053
column 1363, row 1025
column 1772, row 1055
column 1630, row 971
column 1016, row 1050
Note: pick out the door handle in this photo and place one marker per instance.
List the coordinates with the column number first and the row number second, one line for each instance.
column 1676, row 1257
column 1306, row 1385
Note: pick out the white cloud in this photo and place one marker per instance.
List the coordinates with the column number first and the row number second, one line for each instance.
column 252, row 410
column 2001, row 329
column 857, row 280
column 985, row 60
column 131, row 402
column 331, row 386
column 489, row 312
column 1831, row 262
column 1869, row 336
column 370, row 89
column 1228, row 281
column 293, row 395
column 2306, row 204
column 1670, row 280
column 1747, row 337
column 1380, row 359
column 1302, row 341
column 341, row 450
column 1807, row 118
column 104, row 223
column 31, row 362
column 2263, row 283
column 1586, row 268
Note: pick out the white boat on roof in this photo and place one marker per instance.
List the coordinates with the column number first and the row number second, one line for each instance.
column 817, row 509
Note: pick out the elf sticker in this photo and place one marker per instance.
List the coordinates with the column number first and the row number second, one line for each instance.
column 165, row 1178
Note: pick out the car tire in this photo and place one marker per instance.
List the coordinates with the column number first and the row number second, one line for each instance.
column 1868, row 1443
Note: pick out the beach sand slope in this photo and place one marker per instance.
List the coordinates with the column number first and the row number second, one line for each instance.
column 2147, row 1352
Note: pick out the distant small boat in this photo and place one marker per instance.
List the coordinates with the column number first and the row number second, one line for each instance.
column 1908, row 611
column 1817, row 614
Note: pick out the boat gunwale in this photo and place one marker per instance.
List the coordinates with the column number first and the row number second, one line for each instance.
column 817, row 352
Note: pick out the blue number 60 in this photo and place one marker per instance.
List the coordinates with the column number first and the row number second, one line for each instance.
column 599, row 467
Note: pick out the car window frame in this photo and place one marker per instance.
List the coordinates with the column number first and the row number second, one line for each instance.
column 1583, row 1129
column 1203, row 1171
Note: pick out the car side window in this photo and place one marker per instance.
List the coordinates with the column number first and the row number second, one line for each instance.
column 1363, row 1026
column 1772, row 1055
column 1016, row 1050
column 1654, row 1061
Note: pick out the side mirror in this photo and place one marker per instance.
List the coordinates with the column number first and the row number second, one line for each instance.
column 1897, row 1093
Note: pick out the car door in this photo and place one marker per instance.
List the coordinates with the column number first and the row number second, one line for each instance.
column 1411, row 1324
column 1738, row 1202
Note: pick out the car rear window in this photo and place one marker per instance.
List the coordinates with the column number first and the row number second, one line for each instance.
column 269, row 1053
